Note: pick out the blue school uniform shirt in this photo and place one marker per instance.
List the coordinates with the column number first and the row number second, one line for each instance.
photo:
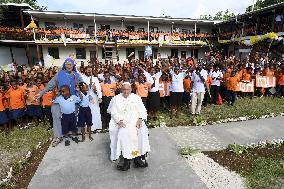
column 67, row 106
column 86, row 100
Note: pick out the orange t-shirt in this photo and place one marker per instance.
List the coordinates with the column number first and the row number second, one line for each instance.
column 232, row 83
column 108, row 89
column 16, row 97
column 142, row 88
column 187, row 85
column 208, row 82
column 246, row 77
column 281, row 79
column 31, row 92
column 47, row 99
column 162, row 89
column 2, row 108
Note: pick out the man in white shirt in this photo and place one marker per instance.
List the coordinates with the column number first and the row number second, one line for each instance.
column 216, row 76
column 198, row 78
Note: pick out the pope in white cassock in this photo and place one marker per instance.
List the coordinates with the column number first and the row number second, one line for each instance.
column 127, row 129
column 97, row 96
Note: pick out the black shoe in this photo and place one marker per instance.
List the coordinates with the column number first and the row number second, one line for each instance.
column 67, row 143
column 75, row 139
column 125, row 166
column 138, row 162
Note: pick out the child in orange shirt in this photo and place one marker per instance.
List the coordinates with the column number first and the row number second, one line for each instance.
column 187, row 87
column 3, row 115
column 231, row 88
column 16, row 100
column 142, row 88
column 33, row 106
column 46, row 106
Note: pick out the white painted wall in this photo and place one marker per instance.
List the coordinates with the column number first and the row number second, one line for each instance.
column 5, row 55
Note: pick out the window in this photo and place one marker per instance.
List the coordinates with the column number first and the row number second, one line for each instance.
column 50, row 25
column 106, row 53
column 105, row 27
column 77, row 26
column 174, row 53
column 153, row 29
column 90, row 29
column 185, row 31
column 154, row 53
column 54, row 52
column 197, row 30
column 80, row 53
column 130, row 28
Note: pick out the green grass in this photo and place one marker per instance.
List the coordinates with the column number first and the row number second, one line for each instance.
column 266, row 173
column 15, row 146
column 255, row 107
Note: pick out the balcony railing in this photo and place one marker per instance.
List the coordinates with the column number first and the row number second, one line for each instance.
column 60, row 35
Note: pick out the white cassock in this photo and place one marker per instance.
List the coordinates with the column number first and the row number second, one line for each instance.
column 130, row 141
column 95, row 108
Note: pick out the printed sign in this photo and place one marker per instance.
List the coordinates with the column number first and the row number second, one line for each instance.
column 265, row 82
column 246, row 87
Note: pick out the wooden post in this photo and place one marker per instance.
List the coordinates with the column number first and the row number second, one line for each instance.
column 148, row 30
column 28, row 54
column 22, row 19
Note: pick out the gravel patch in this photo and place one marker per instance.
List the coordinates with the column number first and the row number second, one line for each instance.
column 214, row 175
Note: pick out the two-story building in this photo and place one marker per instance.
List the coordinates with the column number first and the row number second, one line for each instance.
column 91, row 36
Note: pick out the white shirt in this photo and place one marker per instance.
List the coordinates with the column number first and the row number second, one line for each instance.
column 153, row 79
column 214, row 75
column 197, row 84
column 177, row 81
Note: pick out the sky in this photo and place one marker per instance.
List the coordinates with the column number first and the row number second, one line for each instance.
column 173, row 8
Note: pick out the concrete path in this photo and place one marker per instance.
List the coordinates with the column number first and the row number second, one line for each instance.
column 87, row 165
column 215, row 137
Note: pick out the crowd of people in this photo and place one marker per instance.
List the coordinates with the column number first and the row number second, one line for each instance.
column 106, row 35
column 165, row 84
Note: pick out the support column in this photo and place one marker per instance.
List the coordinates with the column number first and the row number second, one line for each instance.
column 148, row 30
column 28, row 54
column 95, row 27
column 195, row 29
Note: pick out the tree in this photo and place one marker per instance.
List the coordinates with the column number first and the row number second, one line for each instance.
column 259, row 4
column 32, row 3
column 221, row 15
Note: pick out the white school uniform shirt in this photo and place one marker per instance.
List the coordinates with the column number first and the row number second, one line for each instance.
column 153, row 79
column 214, row 75
column 197, row 84
column 177, row 81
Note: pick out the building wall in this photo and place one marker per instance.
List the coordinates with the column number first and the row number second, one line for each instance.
column 64, row 52
column 19, row 55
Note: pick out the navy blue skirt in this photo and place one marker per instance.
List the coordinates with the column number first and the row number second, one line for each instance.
column 34, row 111
column 18, row 113
column 3, row 118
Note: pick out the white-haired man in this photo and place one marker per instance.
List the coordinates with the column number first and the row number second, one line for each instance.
column 127, row 129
